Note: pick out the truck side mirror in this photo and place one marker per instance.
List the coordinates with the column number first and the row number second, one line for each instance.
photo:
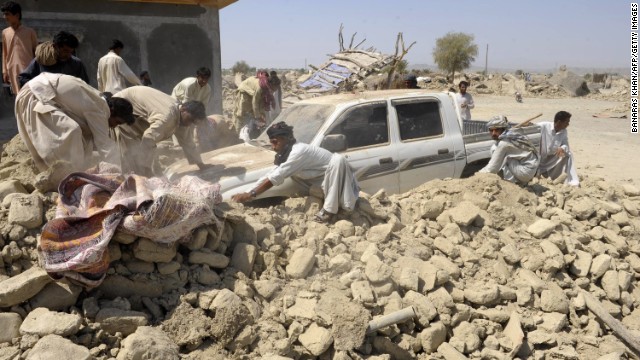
column 334, row 143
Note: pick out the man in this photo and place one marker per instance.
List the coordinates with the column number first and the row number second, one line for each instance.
column 275, row 83
column 194, row 88
column 555, row 155
column 254, row 100
column 310, row 163
column 145, row 78
column 411, row 82
column 464, row 100
column 158, row 117
column 62, row 119
column 513, row 153
column 18, row 45
column 113, row 72
column 56, row 57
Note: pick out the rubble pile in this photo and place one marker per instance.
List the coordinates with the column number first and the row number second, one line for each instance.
column 484, row 268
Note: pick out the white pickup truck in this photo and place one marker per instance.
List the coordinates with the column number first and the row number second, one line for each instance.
column 395, row 139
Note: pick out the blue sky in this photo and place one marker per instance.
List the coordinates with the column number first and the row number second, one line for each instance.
column 529, row 35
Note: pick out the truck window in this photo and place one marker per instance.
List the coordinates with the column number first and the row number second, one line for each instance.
column 364, row 125
column 418, row 119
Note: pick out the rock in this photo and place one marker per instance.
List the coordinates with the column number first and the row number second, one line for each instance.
column 449, row 352
column 198, row 239
column 22, row 287
column 9, row 187
column 630, row 190
column 422, row 305
column 26, row 211
column 377, row 271
column 148, row 343
column 10, row 353
column 582, row 209
column 554, row 300
column 116, row 320
column 442, row 300
column 384, row 345
column 582, row 263
column 123, row 238
column 301, row 263
column 511, row 254
column 10, row 324
column 43, row 322
column 151, row 251
column 600, row 265
column 431, row 209
column 465, row 213
column 467, row 337
column 266, row 288
column 432, row 336
column 55, row 347
column 243, row 257
column 379, row 234
column 168, row 268
column 482, row 295
column 541, row 337
column 304, row 308
column 542, row 228
column 139, row 266
column 214, row 260
column 119, row 286
column 187, row 326
column 316, row 339
column 444, row 263
column 553, row 322
column 362, row 291
column 344, row 228
column 610, row 285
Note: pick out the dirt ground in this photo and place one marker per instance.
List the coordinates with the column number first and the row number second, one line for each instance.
column 602, row 147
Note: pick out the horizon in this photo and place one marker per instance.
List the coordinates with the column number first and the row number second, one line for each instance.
column 293, row 34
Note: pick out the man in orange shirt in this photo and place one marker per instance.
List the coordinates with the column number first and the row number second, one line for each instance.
column 18, row 45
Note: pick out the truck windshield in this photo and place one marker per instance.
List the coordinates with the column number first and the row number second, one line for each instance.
column 306, row 119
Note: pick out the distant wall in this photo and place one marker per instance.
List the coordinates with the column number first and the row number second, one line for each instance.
column 170, row 41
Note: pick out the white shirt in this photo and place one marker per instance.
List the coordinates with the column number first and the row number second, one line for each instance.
column 304, row 161
column 550, row 140
column 112, row 73
column 466, row 99
column 189, row 89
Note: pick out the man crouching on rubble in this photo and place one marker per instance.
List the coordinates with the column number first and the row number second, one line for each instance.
column 62, row 120
column 513, row 153
column 308, row 162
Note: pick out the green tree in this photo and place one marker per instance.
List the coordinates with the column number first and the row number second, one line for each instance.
column 241, row 67
column 454, row 52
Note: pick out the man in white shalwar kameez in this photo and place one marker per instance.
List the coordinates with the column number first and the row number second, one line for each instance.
column 555, row 155
column 61, row 118
column 194, row 88
column 113, row 72
column 310, row 163
column 158, row 117
column 513, row 153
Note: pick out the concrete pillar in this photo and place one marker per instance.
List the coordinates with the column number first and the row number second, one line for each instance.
column 210, row 23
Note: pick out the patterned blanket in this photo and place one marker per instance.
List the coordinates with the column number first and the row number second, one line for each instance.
column 92, row 207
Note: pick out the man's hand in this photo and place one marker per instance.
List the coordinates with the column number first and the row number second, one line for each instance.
column 203, row 166
column 241, row 197
column 5, row 78
column 560, row 152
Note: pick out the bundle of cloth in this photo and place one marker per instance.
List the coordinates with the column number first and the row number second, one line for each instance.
column 94, row 205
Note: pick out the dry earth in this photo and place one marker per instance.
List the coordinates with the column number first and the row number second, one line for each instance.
column 603, row 147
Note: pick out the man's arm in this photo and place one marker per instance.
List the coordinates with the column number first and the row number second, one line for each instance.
column 5, row 56
column 497, row 159
column 126, row 72
column 259, row 189
column 32, row 70
column 470, row 103
column 185, row 136
column 256, row 104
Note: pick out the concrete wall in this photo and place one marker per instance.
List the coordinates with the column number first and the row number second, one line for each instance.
column 170, row 41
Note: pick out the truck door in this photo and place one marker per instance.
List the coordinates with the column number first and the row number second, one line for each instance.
column 369, row 147
column 425, row 151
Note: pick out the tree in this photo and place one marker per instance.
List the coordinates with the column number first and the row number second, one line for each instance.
column 241, row 67
column 454, row 52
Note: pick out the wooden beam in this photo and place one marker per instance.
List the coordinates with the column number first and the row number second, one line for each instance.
column 219, row 4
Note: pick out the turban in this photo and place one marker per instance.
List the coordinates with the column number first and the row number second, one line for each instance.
column 280, row 129
column 498, row 122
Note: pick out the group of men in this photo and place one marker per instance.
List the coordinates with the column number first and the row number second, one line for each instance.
column 518, row 160
column 62, row 119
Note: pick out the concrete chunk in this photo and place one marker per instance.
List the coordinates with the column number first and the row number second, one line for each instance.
column 316, row 339
column 43, row 322
column 541, row 228
column 301, row 263
column 10, row 324
column 243, row 257
column 26, row 211
column 465, row 213
column 55, row 347
column 22, row 287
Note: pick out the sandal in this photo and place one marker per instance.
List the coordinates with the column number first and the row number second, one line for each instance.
column 323, row 217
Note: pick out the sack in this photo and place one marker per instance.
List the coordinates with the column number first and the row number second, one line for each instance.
column 244, row 134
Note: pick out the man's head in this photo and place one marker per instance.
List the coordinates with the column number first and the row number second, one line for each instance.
column 12, row 12
column 411, row 81
column 463, row 85
column 202, row 76
column 191, row 112
column 65, row 44
column 116, row 46
column 280, row 135
column 561, row 120
column 121, row 111
column 497, row 125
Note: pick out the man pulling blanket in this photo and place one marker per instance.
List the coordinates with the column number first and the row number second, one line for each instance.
column 92, row 207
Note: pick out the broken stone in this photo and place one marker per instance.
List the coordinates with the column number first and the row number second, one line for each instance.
column 482, row 295
column 10, row 324
column 212, row 259
column 432, row 336
column 22, row 287
column 26, row 211
column 362, row 291
column 610, row 285
column 55, row 347
column 116, row 320
column 301, row 263
column 379, row 234
column 582, row 263
column 10, row 187
column 422, row 305
column 152, row 251
column 541, row 228
column 449, row 352
column 243, row 257
column 377, row 271
column 600, row 265
column 136, row 345
column 554, row 300
column 42, row 322
column 316, row 339
column 465, row 213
